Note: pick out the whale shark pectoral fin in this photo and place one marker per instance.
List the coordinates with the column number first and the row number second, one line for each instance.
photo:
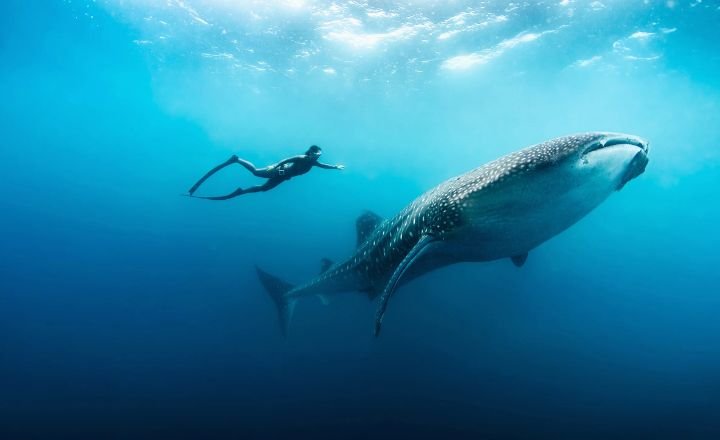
column 420, row 247
column 519, row 260
column 365, row 225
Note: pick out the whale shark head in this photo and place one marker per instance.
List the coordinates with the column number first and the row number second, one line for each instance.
column 598, row 158
column 532, row 194
column 613, row 156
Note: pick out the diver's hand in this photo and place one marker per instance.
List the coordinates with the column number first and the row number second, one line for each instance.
column 339, row 167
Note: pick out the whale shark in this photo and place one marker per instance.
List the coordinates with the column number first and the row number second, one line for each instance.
column 502, row 209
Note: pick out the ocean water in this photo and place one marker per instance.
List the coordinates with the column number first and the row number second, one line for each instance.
column 128, row 311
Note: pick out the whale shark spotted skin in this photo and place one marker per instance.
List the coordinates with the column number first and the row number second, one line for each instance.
column 502, row 209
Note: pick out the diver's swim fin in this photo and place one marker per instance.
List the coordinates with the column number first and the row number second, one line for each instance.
column 277, row 289
column 235, row 193
column 207, row 175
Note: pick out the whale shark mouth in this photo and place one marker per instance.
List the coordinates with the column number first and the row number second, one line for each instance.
column 635, row 168
column 637, row 164
column 614, row 141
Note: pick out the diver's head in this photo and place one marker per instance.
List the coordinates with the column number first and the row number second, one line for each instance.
column 314, row 152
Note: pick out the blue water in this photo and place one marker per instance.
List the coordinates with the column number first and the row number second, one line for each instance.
column 127, row 311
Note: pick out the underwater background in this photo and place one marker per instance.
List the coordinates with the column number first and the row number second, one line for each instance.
column 127, row 311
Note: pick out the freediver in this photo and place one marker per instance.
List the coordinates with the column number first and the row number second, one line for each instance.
column 276, row 174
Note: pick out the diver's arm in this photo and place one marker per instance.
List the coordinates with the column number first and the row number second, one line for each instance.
column 329, row 167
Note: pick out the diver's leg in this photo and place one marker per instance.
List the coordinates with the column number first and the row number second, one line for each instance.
column 233, row 159
column 259, row 172
column 270, row 184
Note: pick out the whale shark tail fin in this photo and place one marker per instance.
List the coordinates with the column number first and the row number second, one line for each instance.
column 277, row 289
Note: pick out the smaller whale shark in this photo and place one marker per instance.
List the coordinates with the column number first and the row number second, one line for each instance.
column 502, row 209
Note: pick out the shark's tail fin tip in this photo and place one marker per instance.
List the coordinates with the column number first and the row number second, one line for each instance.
column 277, row 289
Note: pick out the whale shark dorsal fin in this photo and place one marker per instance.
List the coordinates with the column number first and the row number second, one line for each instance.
column 519, row 260
column 420, row 248
column 325, row 264
column 365, row 225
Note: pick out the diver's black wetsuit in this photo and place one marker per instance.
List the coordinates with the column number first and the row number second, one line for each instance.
column 276, row 174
